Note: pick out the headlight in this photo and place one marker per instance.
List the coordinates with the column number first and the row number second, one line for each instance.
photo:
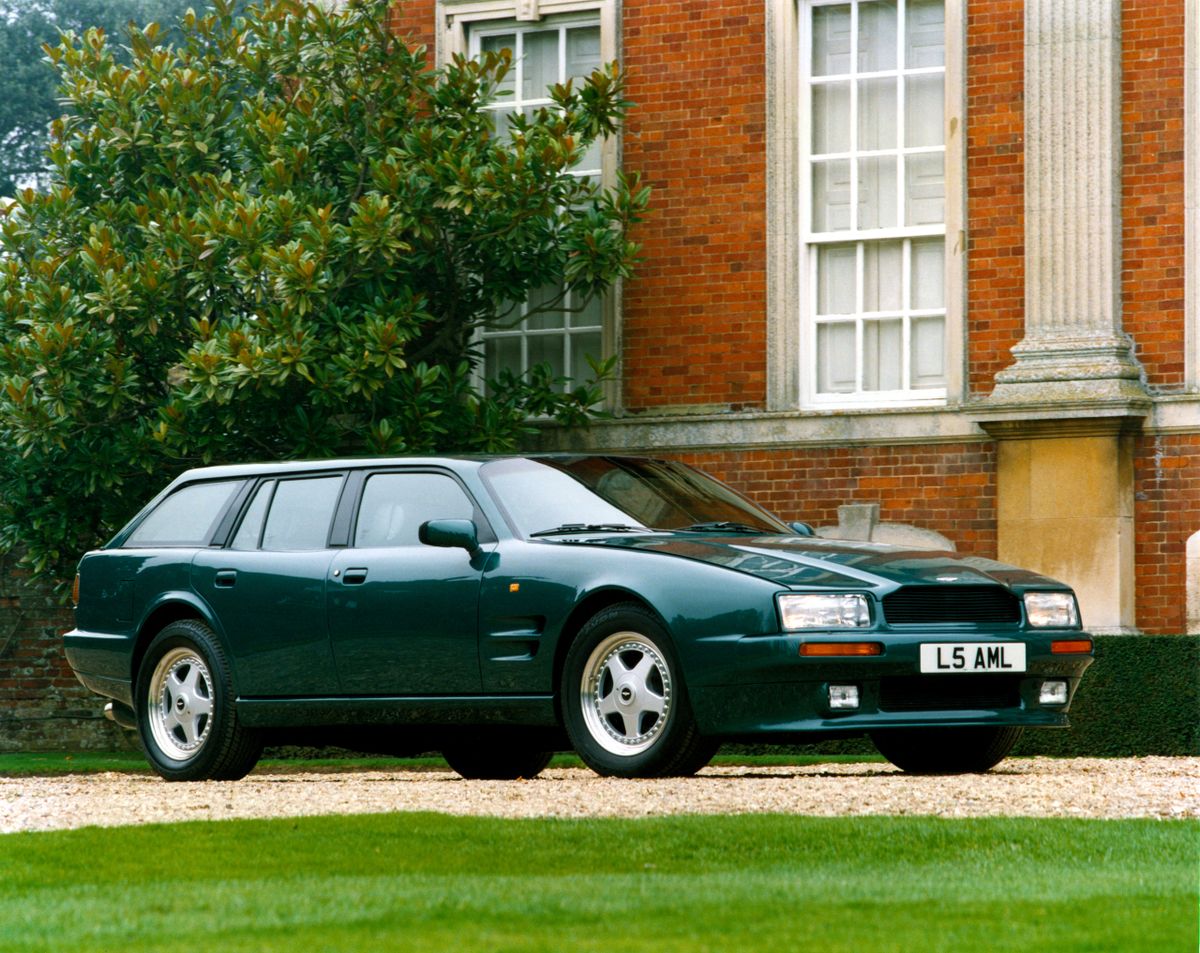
column 824, row 611
column 1051, row 610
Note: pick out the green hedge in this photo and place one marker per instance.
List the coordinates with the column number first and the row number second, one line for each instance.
column 1141, row 696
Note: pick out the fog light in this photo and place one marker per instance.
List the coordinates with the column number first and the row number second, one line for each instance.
column 1053, row 693
column 842, row 697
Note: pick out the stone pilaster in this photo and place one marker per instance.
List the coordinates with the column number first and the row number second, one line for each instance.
column 1064, row 411
column 1074, row 354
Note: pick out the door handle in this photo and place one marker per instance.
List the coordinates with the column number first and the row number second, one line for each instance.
column 225, row 578
column 354, row 577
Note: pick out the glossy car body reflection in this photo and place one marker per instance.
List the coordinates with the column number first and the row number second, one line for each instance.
column 501, row 608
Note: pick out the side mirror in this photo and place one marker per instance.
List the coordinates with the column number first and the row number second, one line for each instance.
column 451, row 534
column 802, row 529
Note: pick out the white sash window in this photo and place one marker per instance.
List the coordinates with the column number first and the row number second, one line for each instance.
column 873, row 202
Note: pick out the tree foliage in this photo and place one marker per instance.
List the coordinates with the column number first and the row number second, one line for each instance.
column 28, row 86
column 278, row 237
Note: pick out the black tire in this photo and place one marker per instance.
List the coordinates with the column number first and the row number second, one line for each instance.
column 625, row 704
column 946, row 750
column 496, row 759
column 186, row 719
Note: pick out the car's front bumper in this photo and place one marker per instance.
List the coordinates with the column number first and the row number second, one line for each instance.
column 764, row 685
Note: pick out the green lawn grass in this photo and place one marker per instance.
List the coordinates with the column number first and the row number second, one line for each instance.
column 729, row 883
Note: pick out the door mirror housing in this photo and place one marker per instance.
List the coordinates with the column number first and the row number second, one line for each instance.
column 451, row 534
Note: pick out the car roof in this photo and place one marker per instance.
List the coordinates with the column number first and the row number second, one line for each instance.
column 464, row 461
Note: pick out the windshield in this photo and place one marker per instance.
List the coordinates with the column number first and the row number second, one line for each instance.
column 541, row 495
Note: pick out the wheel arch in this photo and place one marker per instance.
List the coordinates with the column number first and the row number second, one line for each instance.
column 170, row 608
column 588, row 606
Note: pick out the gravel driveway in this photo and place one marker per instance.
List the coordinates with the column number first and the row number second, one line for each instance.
column 1031, row 787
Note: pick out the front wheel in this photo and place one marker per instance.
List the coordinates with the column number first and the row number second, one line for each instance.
column 624, row 700
column 946, row 750
column 185, row 715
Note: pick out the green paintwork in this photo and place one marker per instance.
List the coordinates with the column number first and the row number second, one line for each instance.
column 460, row 631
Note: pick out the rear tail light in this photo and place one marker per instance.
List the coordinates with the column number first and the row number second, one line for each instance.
column 75, row 591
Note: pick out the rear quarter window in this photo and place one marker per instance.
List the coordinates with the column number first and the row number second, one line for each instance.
column 188, row 517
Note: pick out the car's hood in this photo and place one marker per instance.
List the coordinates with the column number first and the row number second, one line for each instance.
column 804, row 562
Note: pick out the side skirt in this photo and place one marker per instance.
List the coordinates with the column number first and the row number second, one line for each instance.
column 452, row 710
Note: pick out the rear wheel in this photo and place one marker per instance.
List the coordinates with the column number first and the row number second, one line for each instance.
column 946, row 750
column 625, row 704
column 185, row 714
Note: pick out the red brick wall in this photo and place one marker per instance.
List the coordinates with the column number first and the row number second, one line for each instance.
column 995, row 188
column 1153, row 183
column 695, row 316
column 949, row 488
column 414, row 19
column 42, row 705
column 1166, row 513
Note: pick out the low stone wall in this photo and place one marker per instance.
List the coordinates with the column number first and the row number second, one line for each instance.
column 42, row 705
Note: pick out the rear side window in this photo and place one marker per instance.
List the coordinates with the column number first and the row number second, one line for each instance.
column 394, row 505
column 187, row 517
column 301, row 512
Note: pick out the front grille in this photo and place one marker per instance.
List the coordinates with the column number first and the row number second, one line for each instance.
column 948, row 692
column 931, row 605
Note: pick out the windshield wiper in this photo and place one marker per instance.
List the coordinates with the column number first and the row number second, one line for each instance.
column 590, row 528
column 725, row 526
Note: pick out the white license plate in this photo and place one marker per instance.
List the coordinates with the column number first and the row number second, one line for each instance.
column 972, row 657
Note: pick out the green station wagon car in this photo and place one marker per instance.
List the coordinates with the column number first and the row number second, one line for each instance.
column 499, row 609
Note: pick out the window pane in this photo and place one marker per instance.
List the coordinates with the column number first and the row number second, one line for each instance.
column 831, row 117
column 500, row 118
column 928, row 274
column 544, row 297
column 831, row 40
column 300, row 514
column 928, row 352
column 394, row 505
column 591, row 159
column 877, row 109
column 187, row 517
column 883, row 353
column 503, row 354
column 883, row 272
column 539, row 63
column 925, row 35
column 924, row 110
column 831, row 196
column 877, row 192
column 876, row 36
column 583, row 52
column 835, row 358
column 583, row 346
column 835, row 279
column 494, row 44
column 251, row 529
column 590, row 316
column 547, row 349
column 925, row 191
